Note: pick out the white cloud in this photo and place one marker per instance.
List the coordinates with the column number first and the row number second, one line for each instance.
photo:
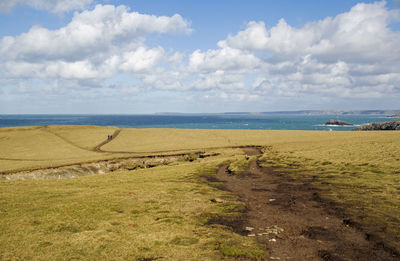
column 225, row 58
column 54, row 6
column 141, row 60
column 362, row 34
column 89, row 33
column 163, row 79
column 355, row 55
column 95, row 44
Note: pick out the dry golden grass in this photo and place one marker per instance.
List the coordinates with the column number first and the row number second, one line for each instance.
column 149, row 213
column 36, row 147
column 33, row 147
column 155, row 212
column 37, row 144
column 86, row 137
column 156, row 140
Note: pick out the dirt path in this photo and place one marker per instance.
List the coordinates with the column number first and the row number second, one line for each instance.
column 98, row 147
column 285, row 217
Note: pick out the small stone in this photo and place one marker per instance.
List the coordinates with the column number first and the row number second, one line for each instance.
column 271, row 199
column 251, row 235
column 272, row 240
column 275, row 258
column 216, row 200
column 249, row 228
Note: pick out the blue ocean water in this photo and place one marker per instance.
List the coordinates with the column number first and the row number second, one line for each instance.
column 196, row 121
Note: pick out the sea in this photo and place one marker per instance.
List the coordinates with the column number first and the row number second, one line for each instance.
column 262, row 121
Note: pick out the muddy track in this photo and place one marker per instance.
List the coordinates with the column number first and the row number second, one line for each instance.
column 285, row 216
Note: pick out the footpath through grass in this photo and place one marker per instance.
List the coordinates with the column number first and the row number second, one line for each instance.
column 148, row 214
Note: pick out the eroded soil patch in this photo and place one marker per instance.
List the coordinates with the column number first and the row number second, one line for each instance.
column 103, row 167
column 284, row 215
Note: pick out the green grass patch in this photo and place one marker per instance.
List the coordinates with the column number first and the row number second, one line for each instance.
column 143, row 214
column 240, row 163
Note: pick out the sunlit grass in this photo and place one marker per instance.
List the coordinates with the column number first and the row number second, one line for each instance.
column 86, row 137
column 151, row 213
column 163, row 211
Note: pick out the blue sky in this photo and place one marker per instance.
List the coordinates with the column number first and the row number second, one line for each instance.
column 198, row 56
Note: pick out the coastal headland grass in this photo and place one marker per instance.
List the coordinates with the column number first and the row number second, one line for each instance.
column 168, row 212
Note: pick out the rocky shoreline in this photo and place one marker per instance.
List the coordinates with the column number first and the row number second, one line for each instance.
column 387, row 125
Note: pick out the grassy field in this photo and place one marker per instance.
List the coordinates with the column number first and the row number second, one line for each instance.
column 41, row 147
column 84, row 137
column 137, row 215
column 163, row 211
column 35, row 147
column 160, row 140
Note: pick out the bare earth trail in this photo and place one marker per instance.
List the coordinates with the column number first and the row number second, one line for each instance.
column 285, row 217
column 98, row 147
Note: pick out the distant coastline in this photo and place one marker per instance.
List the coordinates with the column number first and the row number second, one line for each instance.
column 389, row 113
column 260, row 121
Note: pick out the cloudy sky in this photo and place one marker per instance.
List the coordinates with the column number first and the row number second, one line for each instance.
column 93, row 56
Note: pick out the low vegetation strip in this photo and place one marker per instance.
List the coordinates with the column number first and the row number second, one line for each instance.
column 105, row 166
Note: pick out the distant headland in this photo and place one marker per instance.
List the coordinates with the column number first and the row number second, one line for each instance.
column 393, row 113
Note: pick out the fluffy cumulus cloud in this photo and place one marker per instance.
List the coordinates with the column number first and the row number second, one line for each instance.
column 360, row 35
column 55, row 6
column 355, row 54
column 95, row 44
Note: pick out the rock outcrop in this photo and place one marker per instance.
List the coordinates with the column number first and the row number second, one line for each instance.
column 387, row 125
column 394, row 116
column 337, row 122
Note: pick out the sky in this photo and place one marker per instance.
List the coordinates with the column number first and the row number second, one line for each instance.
column 139, row 57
